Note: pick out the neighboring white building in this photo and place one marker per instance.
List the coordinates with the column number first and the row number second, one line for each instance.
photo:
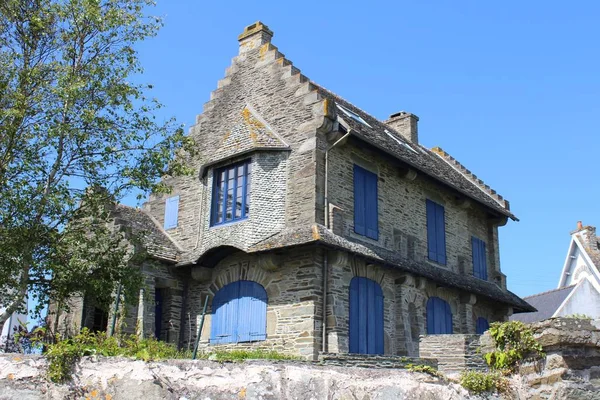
column 578, row 290
column 13, row 322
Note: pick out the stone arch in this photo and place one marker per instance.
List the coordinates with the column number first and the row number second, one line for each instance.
column 373, row 272
column 239, row 267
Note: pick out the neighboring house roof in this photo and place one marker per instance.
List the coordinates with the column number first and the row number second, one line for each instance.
column 247, row 132
column 435, row 163
column 317, row 233
column 155, row 240
column 547, row 303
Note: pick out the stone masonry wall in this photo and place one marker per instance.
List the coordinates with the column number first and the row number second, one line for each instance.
column 402, row 211
column 454, row 353
column 293, row 285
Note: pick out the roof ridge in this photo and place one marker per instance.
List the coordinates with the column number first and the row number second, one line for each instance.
column 471, row 176
column 550, row 291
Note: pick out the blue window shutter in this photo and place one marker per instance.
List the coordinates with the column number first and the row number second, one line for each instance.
column 479, row 258
column 239, row 313
column 476, row 259
column 366, row 317
column 371, row 212
column 439, row 316
column 171, row 212
column 360, row 223
column 440, row 227
column 482, row 325
column 252, row 318
column 431, row 230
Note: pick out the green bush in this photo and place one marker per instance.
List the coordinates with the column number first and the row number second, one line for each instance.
column 513, row 341
column 479, row 382
column 426, row 369
column 240, row 355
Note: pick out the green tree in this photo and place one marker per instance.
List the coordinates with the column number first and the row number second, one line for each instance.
column 76, row 135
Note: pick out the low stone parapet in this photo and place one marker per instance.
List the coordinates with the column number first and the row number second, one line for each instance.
column 373, row 361
column 454, row 353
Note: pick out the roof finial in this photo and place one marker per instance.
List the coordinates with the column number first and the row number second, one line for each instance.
column 579, row 225
column 254, row 36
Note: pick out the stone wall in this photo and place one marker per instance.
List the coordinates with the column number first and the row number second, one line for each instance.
column 454, row 353
column 122, row 379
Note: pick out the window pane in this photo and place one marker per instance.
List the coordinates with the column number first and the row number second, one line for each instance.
column 239, row 191
column 220, row 191
column 230, row 186
column 248, row 175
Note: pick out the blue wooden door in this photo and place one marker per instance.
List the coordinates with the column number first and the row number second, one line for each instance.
column 482, row 325
column 439, row 316
column 239, row 313
column 366, row 317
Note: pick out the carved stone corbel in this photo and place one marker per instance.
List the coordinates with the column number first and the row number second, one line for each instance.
column 201, row 274
column 268, row 262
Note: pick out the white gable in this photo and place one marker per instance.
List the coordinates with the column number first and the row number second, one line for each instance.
column 578, row 266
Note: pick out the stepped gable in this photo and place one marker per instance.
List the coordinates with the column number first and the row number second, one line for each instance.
column 248, row 132
column 155, row 240
column 419, row 157
column 317, row 233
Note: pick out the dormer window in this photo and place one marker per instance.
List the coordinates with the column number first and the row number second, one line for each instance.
column 231, row 193
column 353, row 115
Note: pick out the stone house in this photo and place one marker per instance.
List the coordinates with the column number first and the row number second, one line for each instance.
column 578, row 290
column 313, row 227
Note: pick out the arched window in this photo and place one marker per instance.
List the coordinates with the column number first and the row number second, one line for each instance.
column 366, row 317
column 481, row 325
column 439, row 316
column 239, row 313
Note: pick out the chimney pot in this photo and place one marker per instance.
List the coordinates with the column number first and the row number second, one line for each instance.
column 254, row 36
column 406, row 124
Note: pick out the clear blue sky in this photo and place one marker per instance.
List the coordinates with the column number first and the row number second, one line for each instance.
column 511, row 89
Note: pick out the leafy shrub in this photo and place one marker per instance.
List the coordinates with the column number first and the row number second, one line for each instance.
column 424, row 369
column 239, row 355
column 514, row 341
column 63, row 355
column 578, row 316
column 479, row 382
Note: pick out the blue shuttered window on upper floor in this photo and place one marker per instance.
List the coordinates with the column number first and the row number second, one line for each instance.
column 436, row 232
column 479, row 258
column 481, row 325
column 365, row 203
column 231, row 193
column 171, row 212
column 239, row 313
column 439, row 316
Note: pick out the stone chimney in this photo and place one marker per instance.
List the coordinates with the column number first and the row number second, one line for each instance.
column 405, row 124
column 254, row 36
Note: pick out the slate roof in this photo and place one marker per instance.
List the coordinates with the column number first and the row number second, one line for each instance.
column 546, row 303
column 437, row 165
column 317, row 233
column 246, row 132
column 153, row 237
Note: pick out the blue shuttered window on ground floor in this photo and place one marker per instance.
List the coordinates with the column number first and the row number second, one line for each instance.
column 479, row 258
column 366, row 317
column 239, row 313
column 481, row 325
column 439, row 316
column 436, row 232
column 365, row 203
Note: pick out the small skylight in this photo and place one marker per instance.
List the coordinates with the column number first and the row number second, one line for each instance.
column 353, row 115
column 400, row 142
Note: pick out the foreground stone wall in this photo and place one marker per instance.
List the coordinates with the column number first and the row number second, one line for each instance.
column 454, row 353
column 115, row 379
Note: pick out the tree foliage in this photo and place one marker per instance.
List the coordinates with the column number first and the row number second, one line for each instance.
column 76, row 134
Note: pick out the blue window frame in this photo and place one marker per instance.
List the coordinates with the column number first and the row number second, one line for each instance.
column 481, row 325
column 436, row 232
column 479, row 258
column 171, row 212
column 239, row 313
column 439, row 316
column 365, row 203
column 231, row 193
column 366, row 316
